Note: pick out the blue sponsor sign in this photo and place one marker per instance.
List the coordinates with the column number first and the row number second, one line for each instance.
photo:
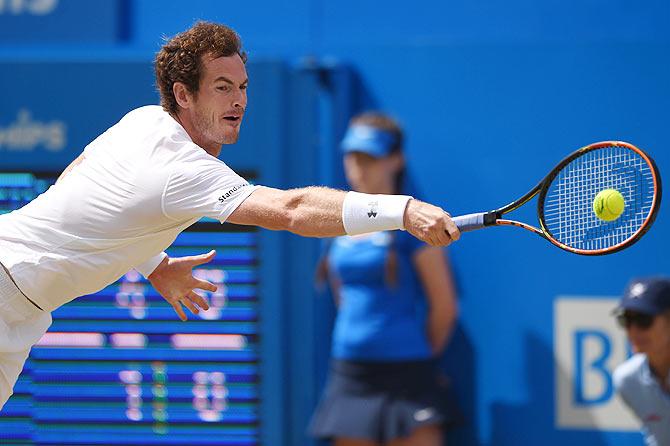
column 49, row 21
column 51, row 111
column 588, row 346
column 597, row 366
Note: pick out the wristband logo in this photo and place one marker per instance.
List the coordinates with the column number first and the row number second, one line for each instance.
column 373, row 209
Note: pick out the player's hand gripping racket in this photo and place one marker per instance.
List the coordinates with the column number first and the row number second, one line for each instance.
column 600, row 199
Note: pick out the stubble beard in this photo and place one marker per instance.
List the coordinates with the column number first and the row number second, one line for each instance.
column 209, row 132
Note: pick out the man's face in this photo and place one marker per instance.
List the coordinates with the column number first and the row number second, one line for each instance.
column 368, row 174
column 654, row 340
column 221, row 100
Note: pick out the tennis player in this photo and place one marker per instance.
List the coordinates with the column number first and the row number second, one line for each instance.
column 643, row 381
column 153, row 174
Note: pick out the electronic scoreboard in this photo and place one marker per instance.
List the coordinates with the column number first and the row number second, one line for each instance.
column 119, row 367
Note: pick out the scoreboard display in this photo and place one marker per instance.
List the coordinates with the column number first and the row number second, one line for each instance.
column 119, row 367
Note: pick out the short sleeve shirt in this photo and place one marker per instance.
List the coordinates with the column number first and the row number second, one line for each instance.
column 377, row 320
column 643, row 394
column 140, row 184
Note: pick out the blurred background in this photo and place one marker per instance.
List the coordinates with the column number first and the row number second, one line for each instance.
column 491, row 95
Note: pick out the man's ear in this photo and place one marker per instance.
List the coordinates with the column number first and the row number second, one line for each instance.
column 182, row 95
column 398, row 161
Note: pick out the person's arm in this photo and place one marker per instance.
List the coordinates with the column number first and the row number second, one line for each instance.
column 435, row 275
column 318, row 212
column 310, row 212
column 625, row 388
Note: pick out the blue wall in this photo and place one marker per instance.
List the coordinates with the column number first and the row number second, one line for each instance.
column 492, row 95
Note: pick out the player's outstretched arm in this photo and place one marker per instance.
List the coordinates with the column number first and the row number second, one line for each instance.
column 173, row 279
column 324, row 212
column 310, row 211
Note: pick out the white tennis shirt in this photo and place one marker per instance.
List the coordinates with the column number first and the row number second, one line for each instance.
column 140, row 184
column 643, row 394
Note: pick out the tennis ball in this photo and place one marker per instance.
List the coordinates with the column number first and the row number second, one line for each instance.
column 608, row 204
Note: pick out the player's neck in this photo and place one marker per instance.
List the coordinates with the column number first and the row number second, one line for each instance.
column 212, row 148
column 386, row 188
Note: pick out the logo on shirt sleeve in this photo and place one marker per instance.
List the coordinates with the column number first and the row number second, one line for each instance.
column 229, row 193
column 652, row 418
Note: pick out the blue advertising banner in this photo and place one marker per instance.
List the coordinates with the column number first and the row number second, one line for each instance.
column 50, row 112
column 51, row 21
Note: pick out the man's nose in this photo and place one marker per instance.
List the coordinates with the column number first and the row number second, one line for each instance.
column 240, row 100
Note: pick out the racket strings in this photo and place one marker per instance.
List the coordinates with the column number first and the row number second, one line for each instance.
column 568, row 204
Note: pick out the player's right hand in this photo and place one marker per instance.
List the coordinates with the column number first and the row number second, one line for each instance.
column 174, row 280
column 430, row 223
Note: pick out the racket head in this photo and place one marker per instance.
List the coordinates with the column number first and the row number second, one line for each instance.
column 565, row 202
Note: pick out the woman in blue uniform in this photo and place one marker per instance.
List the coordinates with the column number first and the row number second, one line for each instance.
column 396, row 310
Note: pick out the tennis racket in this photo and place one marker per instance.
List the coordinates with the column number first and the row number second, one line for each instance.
column 565, row 204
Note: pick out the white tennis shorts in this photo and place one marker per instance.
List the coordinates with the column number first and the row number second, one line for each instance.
column 21, row 326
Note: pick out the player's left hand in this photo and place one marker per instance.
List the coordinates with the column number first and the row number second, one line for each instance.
column 174, row 280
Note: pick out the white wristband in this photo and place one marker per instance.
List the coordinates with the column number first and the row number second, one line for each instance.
column 363, row 213
column 150, row 265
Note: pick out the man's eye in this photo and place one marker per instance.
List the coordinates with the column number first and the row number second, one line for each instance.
column 243, row 87
column 223, row 88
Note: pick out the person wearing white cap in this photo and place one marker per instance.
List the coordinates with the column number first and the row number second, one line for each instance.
column 643, row 381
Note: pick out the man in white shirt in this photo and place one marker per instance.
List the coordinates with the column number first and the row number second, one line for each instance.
column 643, row 381
column 153, row 174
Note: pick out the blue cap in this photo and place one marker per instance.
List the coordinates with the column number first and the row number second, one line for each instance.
column 649, row 296
column 368, row 139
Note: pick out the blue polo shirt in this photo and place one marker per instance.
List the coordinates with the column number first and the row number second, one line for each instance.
column 377, row 322
column 643, row 394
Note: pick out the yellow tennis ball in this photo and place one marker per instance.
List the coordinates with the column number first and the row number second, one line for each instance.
column 608, row 204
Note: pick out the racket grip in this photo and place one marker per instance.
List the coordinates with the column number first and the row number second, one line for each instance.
column 470, row 222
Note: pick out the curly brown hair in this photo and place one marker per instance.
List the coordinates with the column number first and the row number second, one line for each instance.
column 181, row 58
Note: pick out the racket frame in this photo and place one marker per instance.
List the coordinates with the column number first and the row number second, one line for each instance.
column 493, row 218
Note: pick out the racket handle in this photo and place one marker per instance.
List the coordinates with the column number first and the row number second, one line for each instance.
column 470, row 222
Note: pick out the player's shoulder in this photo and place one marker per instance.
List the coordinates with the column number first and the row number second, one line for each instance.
column 147, row 111
column 154, row 128
column 192, row 157
column 152, row 119
column 169, row 142
column 629, row 372
column 145, row 124
column 191, row 163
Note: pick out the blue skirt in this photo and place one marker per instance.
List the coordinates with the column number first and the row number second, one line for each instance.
column 383, row 401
